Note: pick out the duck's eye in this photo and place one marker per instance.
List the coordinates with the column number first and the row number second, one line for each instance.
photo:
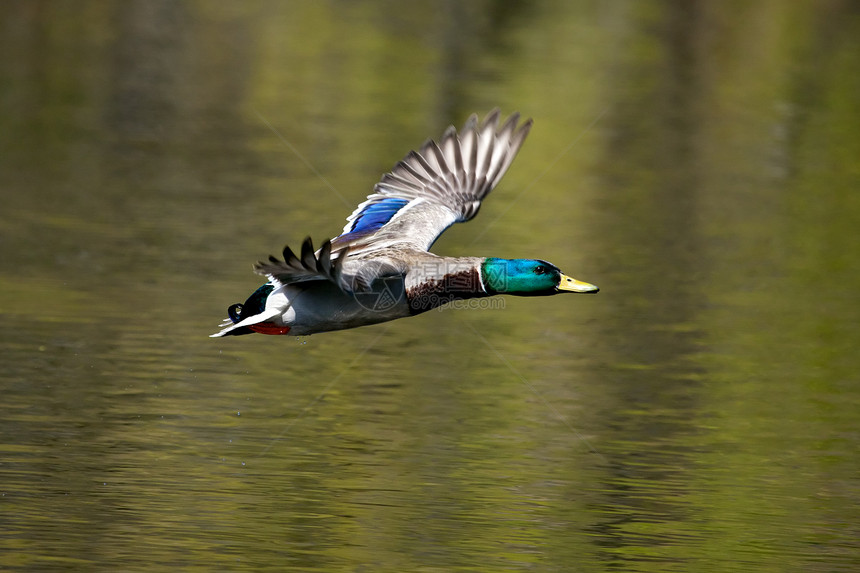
column 540, row 270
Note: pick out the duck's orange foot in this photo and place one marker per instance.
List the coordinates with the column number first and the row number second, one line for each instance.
column 269, row 328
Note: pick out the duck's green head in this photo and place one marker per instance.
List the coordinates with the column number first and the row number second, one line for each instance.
column 528, row 277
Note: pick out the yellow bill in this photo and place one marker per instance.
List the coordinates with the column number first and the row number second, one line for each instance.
column 572, row 285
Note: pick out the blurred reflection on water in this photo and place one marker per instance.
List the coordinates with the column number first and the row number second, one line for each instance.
column 698, row 161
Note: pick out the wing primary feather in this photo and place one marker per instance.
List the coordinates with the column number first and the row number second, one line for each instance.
column 421, row 165
column 470, row 126
column 486, row 144
column 289, row 255
column 308, row 259
column 501, row 150
column 450, row 148
column 469, row 147
column 511, row 122
column 324, row 259
column 398, row 181
column 423, row 162
column 440, row 157
column 402, row 179
column 514, row 144
column 426, row 152
column 459, row 155
column 492, row 120
column 337, row 269
column 407, row 165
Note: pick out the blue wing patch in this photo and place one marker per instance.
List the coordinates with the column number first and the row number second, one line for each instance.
column 378, row 214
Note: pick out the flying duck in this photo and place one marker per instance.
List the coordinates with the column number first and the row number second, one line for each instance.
column 380, row 268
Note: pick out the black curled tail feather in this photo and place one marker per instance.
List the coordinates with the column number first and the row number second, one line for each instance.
column 255, row 304
column 234, row 311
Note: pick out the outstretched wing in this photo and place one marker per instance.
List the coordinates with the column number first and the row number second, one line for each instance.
column 434, row 187
column 427, row 192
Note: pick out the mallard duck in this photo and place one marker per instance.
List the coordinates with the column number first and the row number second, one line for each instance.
column 380, row 268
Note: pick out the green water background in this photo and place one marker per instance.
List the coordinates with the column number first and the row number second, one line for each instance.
column 699, row 161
